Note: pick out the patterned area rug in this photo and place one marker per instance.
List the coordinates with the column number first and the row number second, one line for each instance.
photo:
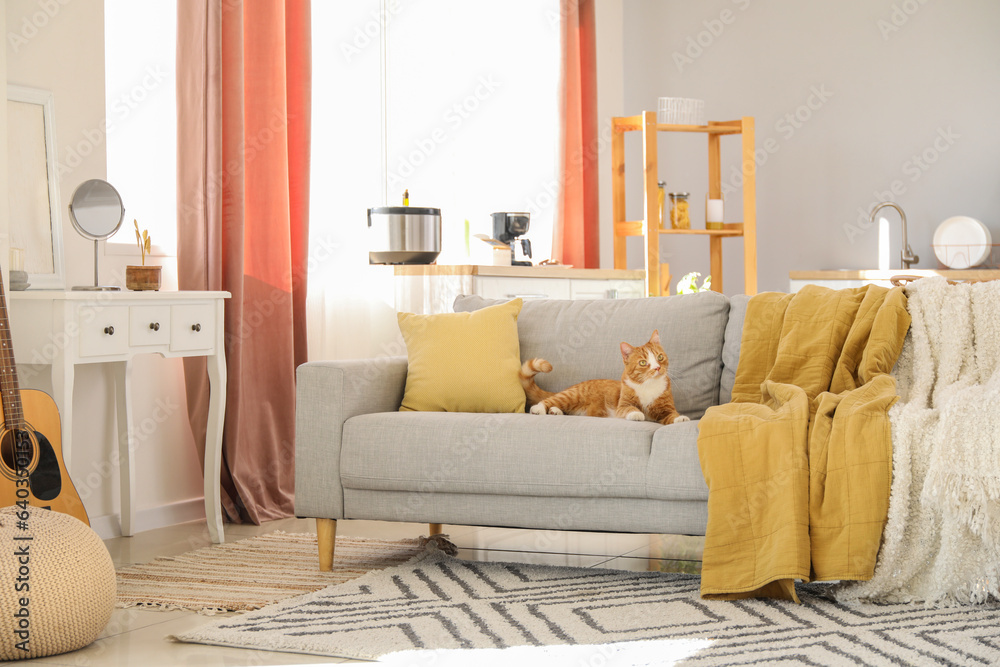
column 503, row 610
column 252, row 573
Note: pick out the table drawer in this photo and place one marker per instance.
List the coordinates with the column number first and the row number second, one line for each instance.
column 491, row 287
column 149, row 325
column 192, row 327
column 103, row 332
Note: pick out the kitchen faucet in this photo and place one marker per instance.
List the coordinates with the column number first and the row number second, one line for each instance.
column 906, row 256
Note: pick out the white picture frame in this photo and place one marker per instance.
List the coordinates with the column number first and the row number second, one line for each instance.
column 33, row 187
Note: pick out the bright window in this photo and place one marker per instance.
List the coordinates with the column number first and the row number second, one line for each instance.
column 140, row 126
column 471, row 123
column 471, row 115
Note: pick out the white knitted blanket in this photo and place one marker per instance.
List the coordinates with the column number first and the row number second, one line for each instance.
column 941, row 544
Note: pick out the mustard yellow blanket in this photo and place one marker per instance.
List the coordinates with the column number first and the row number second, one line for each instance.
column 799, row 465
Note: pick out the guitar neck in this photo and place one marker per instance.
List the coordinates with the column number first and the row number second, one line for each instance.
column 10, row 391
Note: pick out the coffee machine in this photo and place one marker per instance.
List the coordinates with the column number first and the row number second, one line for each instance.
column 507, row 227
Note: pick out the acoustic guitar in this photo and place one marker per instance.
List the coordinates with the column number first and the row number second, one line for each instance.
column 32, row 471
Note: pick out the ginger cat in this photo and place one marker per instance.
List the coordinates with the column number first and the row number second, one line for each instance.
column 642, row 394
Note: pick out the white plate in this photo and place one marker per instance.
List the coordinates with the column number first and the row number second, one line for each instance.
column 961, row 242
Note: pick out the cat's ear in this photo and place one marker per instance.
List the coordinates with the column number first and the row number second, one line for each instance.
column 655, row 338
column 626, row 350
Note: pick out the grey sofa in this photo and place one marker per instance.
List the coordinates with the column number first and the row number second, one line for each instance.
column 357, row 457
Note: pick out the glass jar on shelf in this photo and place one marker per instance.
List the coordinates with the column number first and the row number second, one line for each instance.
column 680, row 215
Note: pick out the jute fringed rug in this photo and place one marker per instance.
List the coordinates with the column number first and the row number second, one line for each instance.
column 252, row 573
column 446, row 607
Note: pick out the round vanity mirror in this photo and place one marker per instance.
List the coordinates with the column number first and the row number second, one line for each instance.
column 96, row 211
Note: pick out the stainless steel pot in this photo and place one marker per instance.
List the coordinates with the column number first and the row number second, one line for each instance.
column 403, row 235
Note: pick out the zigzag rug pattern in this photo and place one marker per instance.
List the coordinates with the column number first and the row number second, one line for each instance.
column 440, row 602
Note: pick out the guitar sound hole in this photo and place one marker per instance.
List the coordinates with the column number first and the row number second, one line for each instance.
column 13, row 455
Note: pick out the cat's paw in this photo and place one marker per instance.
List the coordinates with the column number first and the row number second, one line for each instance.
column 681, row 418
column 555, row 411
column 635, row 416
column 537, row 409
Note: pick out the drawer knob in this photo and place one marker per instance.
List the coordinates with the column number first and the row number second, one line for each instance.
column 195, row 327
column 155, row 326
column 109, row 330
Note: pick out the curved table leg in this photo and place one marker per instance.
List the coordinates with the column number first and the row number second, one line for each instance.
column 213, row 441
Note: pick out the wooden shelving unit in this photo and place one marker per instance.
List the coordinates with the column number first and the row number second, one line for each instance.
column 657, row 273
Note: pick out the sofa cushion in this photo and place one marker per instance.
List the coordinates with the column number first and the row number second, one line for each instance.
column 581, row 339
column 463, row 362
column 674, row 470
column 731, row 346
column 514, row 454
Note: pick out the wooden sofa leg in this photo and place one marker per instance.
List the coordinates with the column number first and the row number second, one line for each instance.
column 435, row 528
column 326, row 534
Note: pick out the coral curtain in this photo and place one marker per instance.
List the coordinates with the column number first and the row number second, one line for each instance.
column 576, row 233
column 243, row 103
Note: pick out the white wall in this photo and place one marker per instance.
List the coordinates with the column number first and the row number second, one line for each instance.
column 610, row 35
column 851, row 99
column 60, row 48
column 4, row 213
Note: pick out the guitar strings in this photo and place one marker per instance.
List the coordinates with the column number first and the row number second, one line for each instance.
column 13, row 411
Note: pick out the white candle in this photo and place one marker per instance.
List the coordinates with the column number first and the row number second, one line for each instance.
column 17, row 259
column 714, row 211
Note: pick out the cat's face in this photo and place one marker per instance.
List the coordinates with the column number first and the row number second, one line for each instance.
column 645, row 362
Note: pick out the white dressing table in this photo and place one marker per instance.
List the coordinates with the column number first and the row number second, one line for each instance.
column 63, row 329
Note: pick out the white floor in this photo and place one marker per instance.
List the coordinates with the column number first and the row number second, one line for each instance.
column 138, row 637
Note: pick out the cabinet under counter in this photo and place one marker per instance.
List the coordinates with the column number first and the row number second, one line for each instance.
column 843, row 278
column 432, row 288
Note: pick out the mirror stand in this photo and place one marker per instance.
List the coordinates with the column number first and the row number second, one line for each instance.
column 96, row 287
column 96, row 211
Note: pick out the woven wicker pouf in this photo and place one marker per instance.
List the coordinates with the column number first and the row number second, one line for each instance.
column 57, row 583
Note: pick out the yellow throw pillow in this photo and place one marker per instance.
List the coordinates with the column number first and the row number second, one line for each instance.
column 463, row 362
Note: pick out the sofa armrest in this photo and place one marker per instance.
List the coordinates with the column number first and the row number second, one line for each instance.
column 327, row 394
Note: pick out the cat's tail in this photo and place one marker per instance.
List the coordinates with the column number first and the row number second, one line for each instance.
column 532, row 391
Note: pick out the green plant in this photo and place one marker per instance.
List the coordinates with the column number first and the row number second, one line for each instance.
column 676, row 553
column 144, row 241
column 689, row 284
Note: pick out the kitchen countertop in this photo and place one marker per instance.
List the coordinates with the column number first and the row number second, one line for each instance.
column 517, row 271
column 875, row 274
